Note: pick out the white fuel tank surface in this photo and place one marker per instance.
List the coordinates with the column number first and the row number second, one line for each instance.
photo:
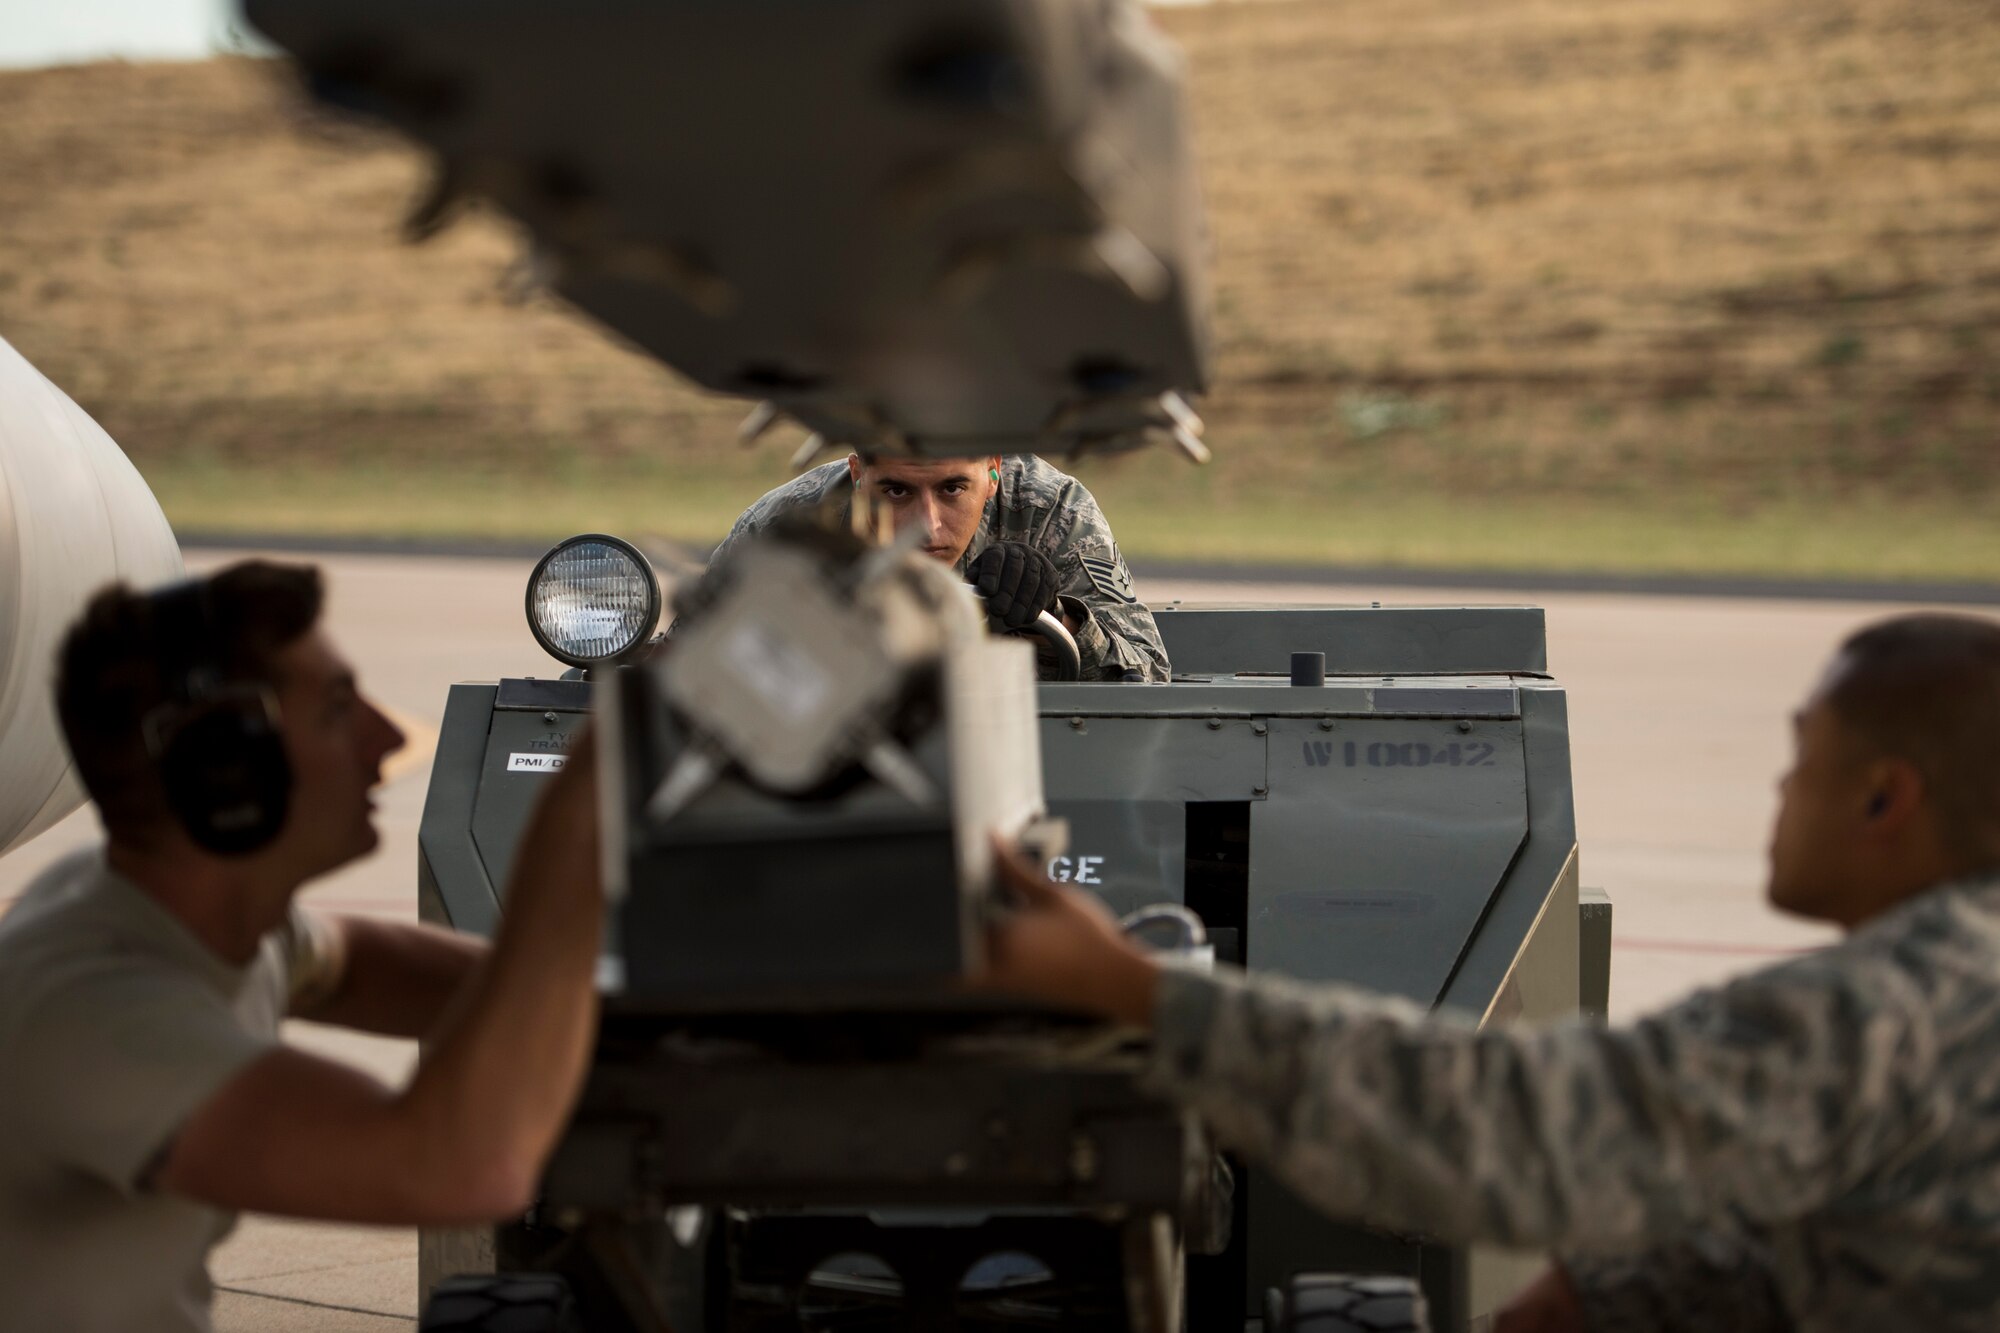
column 74, row 516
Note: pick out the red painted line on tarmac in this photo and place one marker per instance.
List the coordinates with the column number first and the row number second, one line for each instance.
column 316, row 900
column 1640, row 944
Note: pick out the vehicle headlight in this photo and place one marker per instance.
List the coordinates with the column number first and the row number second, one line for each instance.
column 592, row 599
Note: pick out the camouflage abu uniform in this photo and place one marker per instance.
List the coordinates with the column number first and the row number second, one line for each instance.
column 1051, row 511
column 1813, row 1147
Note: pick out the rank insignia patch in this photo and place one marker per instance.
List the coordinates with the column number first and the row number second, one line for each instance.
column 1110, row 577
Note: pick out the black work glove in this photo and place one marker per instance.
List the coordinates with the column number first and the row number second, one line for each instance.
column 1017, row 581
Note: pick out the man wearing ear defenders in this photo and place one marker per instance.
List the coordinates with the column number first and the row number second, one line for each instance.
column 146, row 1097
column 1028, row 537
column 1813, row 1147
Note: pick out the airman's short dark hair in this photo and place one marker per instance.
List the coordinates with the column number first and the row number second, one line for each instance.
column 110, row 675
column 1925, row 688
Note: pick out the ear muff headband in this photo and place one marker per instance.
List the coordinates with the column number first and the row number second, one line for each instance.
column 214, row 743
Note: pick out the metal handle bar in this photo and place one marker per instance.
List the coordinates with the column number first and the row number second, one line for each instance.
column 1069, row 658
column 1050, row 630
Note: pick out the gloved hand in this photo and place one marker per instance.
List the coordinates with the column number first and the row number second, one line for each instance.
column 1017, row 581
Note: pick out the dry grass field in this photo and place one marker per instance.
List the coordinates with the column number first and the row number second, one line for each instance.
column 1631, row 283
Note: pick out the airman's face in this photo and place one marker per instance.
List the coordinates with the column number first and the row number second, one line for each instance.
column 945, row 496
column 335, row 740
column 1822, row 859
column 1807, row 795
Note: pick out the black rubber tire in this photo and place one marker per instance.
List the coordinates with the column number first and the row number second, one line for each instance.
column 1346, row 1303
column 501, row 1303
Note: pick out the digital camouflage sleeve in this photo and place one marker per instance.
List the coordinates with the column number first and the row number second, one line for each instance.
column 1050, row 510
column 1711, row 1282
column 1831, row 1126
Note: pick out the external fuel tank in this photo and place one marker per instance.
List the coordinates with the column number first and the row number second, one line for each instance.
column 74, row 516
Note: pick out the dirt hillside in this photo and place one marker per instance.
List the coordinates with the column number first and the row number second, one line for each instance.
column 1746, row 245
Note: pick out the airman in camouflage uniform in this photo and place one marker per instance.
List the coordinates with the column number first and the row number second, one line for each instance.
column 1811, row 1147
column 1820, row 1134
column 1042, row 507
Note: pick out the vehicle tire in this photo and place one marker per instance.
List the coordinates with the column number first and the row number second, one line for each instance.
column 501, row 1303
column 1346, row 1303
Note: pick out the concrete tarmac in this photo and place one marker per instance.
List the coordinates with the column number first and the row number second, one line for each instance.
column 1679, row 711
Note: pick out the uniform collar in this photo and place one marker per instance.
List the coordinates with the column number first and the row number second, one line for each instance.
column 982, row 537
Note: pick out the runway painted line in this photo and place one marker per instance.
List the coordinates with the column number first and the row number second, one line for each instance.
column 420, row 738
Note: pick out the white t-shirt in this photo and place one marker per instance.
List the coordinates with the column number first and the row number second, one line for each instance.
column 116, row 1024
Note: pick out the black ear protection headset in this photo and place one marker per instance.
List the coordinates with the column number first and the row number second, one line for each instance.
column 215, row 743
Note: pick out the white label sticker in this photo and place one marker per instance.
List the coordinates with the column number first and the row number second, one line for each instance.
column 1077, row 870
column 545, row 762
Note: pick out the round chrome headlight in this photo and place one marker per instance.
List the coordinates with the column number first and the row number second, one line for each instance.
column 592, row 599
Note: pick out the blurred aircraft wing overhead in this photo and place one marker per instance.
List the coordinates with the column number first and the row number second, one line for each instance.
column 942, row 226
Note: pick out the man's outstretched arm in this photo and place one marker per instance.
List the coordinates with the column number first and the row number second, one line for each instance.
column 394, row 978
column 1761, row 1100
column 1709, row 1282
column 466, row 1140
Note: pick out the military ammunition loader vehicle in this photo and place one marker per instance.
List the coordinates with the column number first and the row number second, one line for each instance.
column 794, row 1121
column 944, row 228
